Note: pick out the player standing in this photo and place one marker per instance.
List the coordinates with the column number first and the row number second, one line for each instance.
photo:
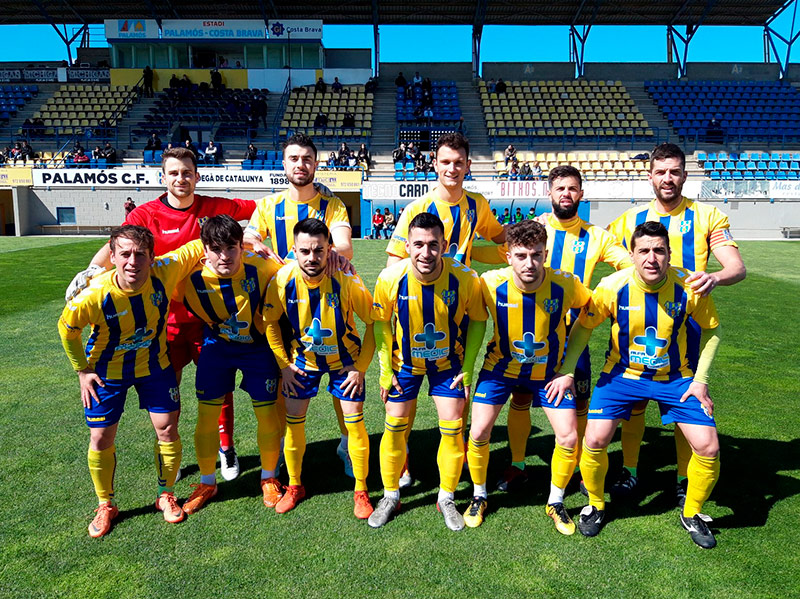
column 175, row 218
column 320, row 308
column 438, row 315
column 528, row 303
column 276, row 215
column 127, row 309
column 696, row 231
column 649, row 305
column 227, row 293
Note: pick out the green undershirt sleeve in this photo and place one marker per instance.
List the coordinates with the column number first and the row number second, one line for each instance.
column 709, row 342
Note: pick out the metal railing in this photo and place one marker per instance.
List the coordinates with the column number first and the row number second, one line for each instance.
column 281, row 110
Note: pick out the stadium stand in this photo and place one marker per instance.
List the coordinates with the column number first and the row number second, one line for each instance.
column 14, row 97
column 304, row 105
column 445, row 108
column 593, row 165
column 748, row 110
column 74, row 108
column 532, row 112
column 750, row 165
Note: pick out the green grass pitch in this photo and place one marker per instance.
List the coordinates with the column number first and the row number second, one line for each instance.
column 237, row 548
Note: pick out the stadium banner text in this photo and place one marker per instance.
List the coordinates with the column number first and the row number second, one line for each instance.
column 292, row 29
column 12, row 177
column 210, row 178
column 57, row 75
column 126, row 29
column 212, row 29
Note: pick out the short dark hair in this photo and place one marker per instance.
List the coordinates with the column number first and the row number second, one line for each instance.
column 221, row 230
column 454, row 141
column 302, row 140
column 650, row 228
column 141, row 236
column 182, row 153
column 667, row 150
column 562, row 171
column 313, row 227
column 526, row 233
column 427, row 221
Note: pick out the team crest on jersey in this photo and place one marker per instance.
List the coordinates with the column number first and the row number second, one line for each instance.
column 249, row 285
column 271, row 385
column 449, row 297
column 333, row 300
column 551, row 306
column 686, row 226
column 175, row 394
column 201, row 220
column 578, row 246
column 582, row 386
column 156, row 298
column 471, row 216
column 673, row 309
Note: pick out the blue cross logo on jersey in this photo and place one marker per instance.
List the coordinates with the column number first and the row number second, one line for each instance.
column 248, row 285
column 318, row 335
column 430, row 336
column 528, row 345
column 550, row 306
column 651, row 341
column 233, row 324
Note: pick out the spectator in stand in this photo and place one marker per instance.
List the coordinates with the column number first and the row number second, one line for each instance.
column 377, row 224
column 186, row 83
column 38, row 126
column 191, row 147
column 147, row 81
column 216, row 80
column 80, row 158
column 341, row 162
column 129, row 206
column 27, row 127
column 260, row 109
column 501, row 86
column 251, row 153
column 513, row 172
column 427, row 99
column 364, row 157
column 412, row 152
column 427, row 85
column 344, row 152
column 531, row 214
column 336, row 86
column 509, row 154
column 333, row 162
column 525, row 172
column 518, row 216
column 153, row 142
column 399, row 153
column 223, row 62
column 174, row 82
column 169, row 146
column 417, row 80
column 420, row 163
column 491, row 86
column 210, row 153
column 352, row 161
column 427, row 115
column 321, row 120
column 97, row 153
column 4, row 155
column 349, row 120
column 26, row 152
column 109, row 153
column 388, row 223
column 401, row 81
column 371, row 85
column 321, row 87
column 430, row 158
column 536, row 170
column 238, row 64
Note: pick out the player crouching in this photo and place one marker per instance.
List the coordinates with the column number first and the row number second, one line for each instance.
column 320, row 310
column 127, row 308
column 227, row 293
column 528, row 302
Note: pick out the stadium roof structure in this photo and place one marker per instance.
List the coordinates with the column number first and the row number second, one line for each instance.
column 578, row 15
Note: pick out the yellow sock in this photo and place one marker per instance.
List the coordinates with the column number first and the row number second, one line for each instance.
column 294, row 447
column 582, row 414
column 268, row 435
column 280, row 411
column 562, row 465
column 206, row 436
column 411, row 416
column 393, row 451
column 594, row 466
column 358, row 448
column 168, row 462
column 632, row 435
column 703, row 475
column 451, row 454
column 519, row 429
column 102, row 466
column 337, row 407
column 478, row 459
column 683, row 451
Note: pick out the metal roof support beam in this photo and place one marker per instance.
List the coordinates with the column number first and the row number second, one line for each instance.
column 577, row 38
column 477, row 33
column 772, row 36
column 677, row 43
column 376, row 38
column 153, row 12
column 63, row 35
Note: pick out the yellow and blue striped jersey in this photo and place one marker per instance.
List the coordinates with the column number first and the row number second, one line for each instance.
column 462, row 220
column 529, row 330
column 648, row 326
column 129, row 335
column 695, row 230
column 324, row 334
column 431, row 318
column 276, row 215
column 231, row 306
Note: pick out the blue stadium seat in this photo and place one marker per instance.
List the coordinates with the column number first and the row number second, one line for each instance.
column 715, row 176
column 148, row 157
column 398, row 166
column 432, row 176
column 398, row 175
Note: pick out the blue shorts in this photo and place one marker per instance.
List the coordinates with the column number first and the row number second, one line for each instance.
column 217, row 365
column 614, row 397
column 494, row 389
column 158, row 393
column 438, row 385
column 583, row 377
column 309, row 385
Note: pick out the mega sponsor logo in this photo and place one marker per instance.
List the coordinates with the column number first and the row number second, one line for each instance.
column 652, row 343
column 429, row 337
column 528, row 347
column 317, row 334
